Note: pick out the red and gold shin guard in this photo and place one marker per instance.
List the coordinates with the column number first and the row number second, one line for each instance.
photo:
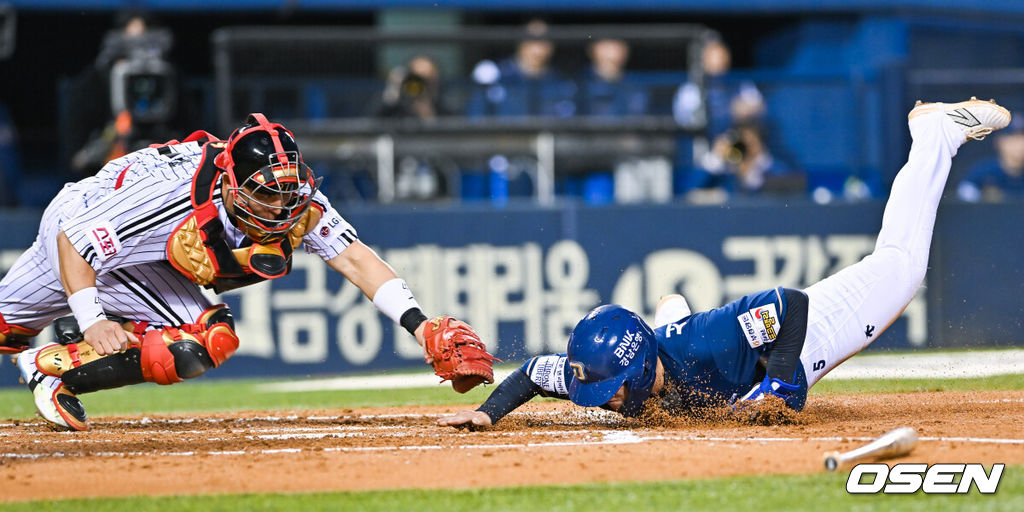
column 14, row 338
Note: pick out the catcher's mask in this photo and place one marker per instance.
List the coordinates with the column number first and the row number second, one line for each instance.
column 269, row 185
column 609, row 348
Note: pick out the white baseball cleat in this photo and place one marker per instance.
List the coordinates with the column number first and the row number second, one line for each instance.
column 671, row 308
column 976, row 118
column 54, row 403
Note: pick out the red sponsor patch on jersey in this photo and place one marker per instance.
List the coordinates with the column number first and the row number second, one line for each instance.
column 107, row 246
column 104, row 240
column 324, row 231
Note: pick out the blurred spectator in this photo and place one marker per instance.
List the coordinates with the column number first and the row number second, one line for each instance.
column 605, row 89
column 739, row 162
column 413, row 90
column 136, row 39
column 738, row 158
column 1001, row 176
column 140, row 86
column 524, row 84
column 714, row 108
column 521, row 85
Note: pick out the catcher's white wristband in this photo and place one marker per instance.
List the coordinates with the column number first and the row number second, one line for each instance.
column 85, row 304
column 394, row 298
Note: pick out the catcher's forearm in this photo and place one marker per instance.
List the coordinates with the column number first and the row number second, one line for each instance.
column 378, row 281
column 75, row 272
column 784, row 355
column 363, row 268
column 79, row 281
column 514, row 391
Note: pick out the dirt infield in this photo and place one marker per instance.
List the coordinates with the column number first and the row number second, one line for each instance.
column 550, row 443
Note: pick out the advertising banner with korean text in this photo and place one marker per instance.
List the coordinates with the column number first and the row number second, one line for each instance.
column 523, row 277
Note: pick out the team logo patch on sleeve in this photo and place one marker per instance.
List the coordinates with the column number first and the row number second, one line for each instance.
column 327, row 225
column 760, row 325
column 333, row 229
column 104, row 240
column 548, row 372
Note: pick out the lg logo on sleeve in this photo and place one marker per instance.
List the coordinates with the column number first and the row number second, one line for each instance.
column 934, row 479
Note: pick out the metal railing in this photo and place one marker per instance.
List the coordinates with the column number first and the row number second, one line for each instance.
column 557, row 144
column 569, row 145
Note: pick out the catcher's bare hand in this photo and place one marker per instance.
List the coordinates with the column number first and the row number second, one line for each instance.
column 107, row 337
column 465, row 419
column 423, row 342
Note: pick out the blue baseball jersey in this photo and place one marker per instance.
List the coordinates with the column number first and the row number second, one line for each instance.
column 709, row 357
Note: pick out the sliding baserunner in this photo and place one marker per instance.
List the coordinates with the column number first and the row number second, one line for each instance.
column 777, row 342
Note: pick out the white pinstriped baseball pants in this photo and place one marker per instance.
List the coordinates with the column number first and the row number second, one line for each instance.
column 32, row 296
column 849, row 310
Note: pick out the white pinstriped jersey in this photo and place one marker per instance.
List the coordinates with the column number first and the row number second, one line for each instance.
column 151, row 200
column 120, row 221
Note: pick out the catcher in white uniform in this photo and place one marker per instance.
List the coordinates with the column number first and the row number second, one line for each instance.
column 126, row 250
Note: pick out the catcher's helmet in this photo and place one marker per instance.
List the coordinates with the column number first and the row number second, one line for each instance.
column 269, row 185
column 610, row 347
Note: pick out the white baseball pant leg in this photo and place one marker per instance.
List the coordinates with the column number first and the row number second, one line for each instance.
column 849, row 310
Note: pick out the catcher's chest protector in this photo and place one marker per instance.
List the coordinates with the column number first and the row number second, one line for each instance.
column 197, row 247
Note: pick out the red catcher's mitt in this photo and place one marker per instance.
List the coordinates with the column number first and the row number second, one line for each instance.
column 458, row 353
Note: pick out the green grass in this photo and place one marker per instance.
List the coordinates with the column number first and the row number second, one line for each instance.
column 212, row 395
column 761, row 494
column 234, row 395
column 930, row 351
column 995, row 383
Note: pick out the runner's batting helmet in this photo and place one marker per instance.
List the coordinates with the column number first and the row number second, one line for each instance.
column 610, row 347
column 265, row 173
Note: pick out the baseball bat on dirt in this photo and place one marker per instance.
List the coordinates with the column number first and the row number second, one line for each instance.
column 894, row 443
